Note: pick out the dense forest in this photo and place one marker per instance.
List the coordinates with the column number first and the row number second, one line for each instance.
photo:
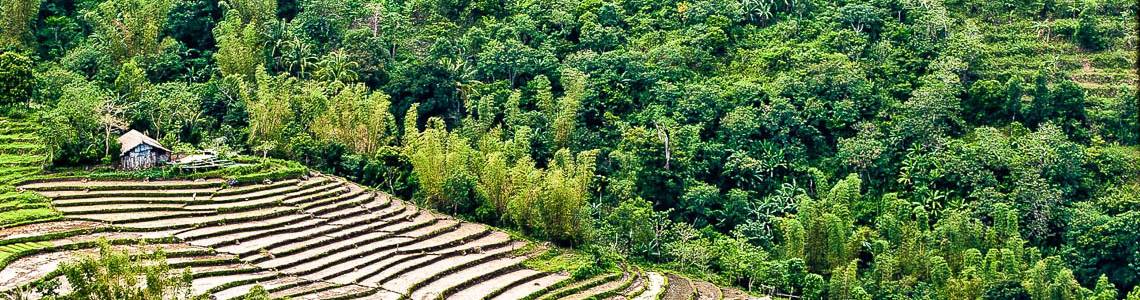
column 883, row 149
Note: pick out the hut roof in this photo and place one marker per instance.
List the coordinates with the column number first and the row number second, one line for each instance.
column 133, row 139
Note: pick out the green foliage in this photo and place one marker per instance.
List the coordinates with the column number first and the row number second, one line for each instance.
column 248, row 171
column 256, row 293
column 814, row 287
column 115, row 274
column 74, row 125
column 126, row 29
column 579, row 264
column 934, row 150
column 19, row 161
column 1006, row 290
column 17, row 17
column 358, row 119
column 16, row 81
column 240, row 45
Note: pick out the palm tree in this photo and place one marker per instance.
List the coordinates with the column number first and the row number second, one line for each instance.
column 297, row 57
column 337, row 67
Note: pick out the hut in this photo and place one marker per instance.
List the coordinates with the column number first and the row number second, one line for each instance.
column 139, row 151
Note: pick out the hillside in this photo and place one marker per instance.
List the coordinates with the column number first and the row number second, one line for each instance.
column 21, row 156
column 886, row 149
column 316, row 237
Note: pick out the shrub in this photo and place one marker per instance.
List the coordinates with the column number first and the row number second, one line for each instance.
column 16, row 80
column 115, row 274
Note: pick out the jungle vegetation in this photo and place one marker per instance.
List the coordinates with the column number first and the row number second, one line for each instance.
column 834, row 149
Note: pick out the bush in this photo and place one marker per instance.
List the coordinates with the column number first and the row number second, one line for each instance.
column 1089, row 33
column 16, row 80
column 115, row 274
column 1006, row 290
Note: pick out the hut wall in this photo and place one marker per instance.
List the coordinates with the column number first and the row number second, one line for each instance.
column 143, row 156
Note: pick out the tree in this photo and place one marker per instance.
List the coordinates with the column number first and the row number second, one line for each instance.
column 793, row 240
column 16, row 79
column 860, row 17
column 16, row 19
column 1013, row 93
column 298, row 58
column 939, row 271
column 241, row 36
column 865, row 151
column 1089, row 34
column 73, row 124
column 1104, row 290
column 336, row 66
column 112, row 116
column 358, row 119
column 1047, row 279
column 511, row 59
column 115, row 274
column 814, row 287
column 168, row 108
column 240, row 46
column 934, row 109
column 1006, row 290
column 440, row 159
column 130, row 28
column 987, row 102
column 566, row 116
column 268, row 103
column 844, row 282
column 634, row 228
column 131, row 82
column 563, row 206
column 698, row 202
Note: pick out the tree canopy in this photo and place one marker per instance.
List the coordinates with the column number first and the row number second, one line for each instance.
column 894, row 149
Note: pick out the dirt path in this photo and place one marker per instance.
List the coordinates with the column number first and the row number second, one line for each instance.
column 656, row 286
column 679, row 288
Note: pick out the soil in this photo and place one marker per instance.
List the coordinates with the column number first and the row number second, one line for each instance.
column 706, row 290
column 601, row 288
column 734, row 294
column 436, row 288
column 679, row 288
column 486, row 287
column 530, row 287
column 44, row 228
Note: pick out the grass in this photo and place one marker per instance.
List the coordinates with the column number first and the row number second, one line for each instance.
column 12, row 251
column 250, row 170
column 578, row 264
column 21, row 157
column 21, row 148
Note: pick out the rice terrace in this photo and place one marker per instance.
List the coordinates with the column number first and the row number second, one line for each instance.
column 304, row 235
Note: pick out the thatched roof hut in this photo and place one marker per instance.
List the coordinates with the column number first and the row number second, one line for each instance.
column 139, row 151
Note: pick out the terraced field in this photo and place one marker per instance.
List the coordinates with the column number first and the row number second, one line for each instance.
column 317, row 237
column 21, row 155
